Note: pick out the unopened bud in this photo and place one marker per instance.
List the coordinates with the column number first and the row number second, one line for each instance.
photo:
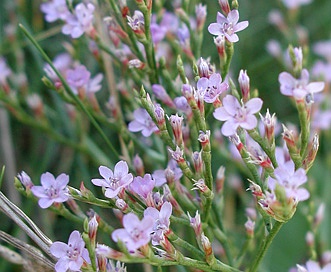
column 269, row 122
column 195, row 223
column 220, row 177
column 92, row 229
column 249, row 226
column 225, row 7
column 244, row 85
column 136, row 63
column 176, row 125
column 204, row 138
column 310, row 239
column 201, row 13
column 25, row 180
column 319, row 215
column 219, row 41
column 138, row 165
column 197, row 162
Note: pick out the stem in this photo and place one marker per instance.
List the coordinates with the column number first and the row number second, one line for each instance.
column 70, row 92
column 229, row 53
column 305, row 128
column 265, row 245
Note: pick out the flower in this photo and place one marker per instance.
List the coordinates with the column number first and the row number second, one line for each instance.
column 55, row 10
column 78, row 77
column 61, row 62
column 161, row 221
column 52, row 189
column 211, row 87
column 227, row 26
column 135, row 233
column 137, row 21
column 312, row 266
column 160, row 175
column 4, row 71
column 299, row 88
column 113, row 182
column 79, row 22
column 25, row 180
column 290, row 179
column 143, row 186
column 293, row 4
column 143, row 122
column 237, row 115
column 72, row 255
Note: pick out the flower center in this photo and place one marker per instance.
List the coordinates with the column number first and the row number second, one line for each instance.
column 228, row 28
column 136, row 234
column 73, row 253
column 113, row 183
column 52, row 192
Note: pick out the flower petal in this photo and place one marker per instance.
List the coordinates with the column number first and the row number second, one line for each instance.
column 58, row 249
column 215, row 29
column 254, row 105
column 105, row 172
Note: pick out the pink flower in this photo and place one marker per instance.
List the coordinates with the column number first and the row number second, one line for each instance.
column 312, row 266
column 72, row 255
column 113, row 182
column 61, row 62
column 4, row 71
column 161, row 221
column 211, row 87
column 79, row 22
column 143, row 186
column 237, row 115
column 228, row 26
column 78, row 77
column 290, row 179
column 292, row 4
column 143, row 122
column 135, row 233
column 52, row 189
column 55, row 10
column 299, row 88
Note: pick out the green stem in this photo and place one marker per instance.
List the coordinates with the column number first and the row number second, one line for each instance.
column 265, row 245
column 305, row 127
column 229, row 53
column 183, row 244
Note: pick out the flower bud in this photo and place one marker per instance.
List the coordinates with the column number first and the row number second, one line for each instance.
column 195, row 223
column 244, row 85
column 249, row 226
column 25, row 180
column 197, row 162
column 176, row 125
column 138, row 165
column 225, row 7
column 92, row 229
column 220, row 177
